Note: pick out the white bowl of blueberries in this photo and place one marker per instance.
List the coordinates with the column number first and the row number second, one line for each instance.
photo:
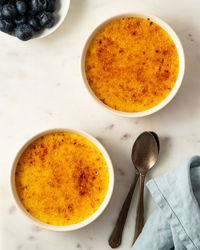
column 30, row 19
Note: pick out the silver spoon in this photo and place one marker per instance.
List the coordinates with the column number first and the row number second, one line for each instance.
column 116, row 235
column 144, row 156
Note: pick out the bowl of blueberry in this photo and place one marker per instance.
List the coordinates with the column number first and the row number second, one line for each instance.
column 30, row 19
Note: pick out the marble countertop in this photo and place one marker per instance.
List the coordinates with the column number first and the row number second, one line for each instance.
column 41, row 88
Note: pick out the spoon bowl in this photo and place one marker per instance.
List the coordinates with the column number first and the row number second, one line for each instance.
column 145, row 152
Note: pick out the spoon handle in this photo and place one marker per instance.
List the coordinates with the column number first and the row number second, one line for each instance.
column 140, row 210
column 116, row 235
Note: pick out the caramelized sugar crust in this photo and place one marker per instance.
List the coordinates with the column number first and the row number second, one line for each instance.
column 62, row 178
column 132, row 64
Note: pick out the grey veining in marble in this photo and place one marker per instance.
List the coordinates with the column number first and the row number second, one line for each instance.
column 41, row 88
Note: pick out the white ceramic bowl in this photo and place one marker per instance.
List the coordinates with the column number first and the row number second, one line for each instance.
column 82, row 223
column 60, row 14
column 177, row 85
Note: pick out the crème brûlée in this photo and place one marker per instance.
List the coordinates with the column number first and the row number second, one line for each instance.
column 132, row 64
column 62, row 178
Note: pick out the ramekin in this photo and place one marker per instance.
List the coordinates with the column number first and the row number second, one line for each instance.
column 68, row 227
column 177, row 85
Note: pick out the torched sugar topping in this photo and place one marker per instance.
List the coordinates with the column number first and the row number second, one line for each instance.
column 132, row 64
column 62, row 178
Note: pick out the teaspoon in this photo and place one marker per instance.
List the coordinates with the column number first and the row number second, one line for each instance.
column 144, row 156
column 116, row 235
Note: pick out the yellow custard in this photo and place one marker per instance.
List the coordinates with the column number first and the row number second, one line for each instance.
column 62, row 178
column 132, row 64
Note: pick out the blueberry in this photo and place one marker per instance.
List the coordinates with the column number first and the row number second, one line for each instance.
column 51, row 5
column 6, row 26
column 37, row 6
column 42, row 4
column 20, row 20
column 47, row 19
column 24, row 32
column 9, row 11
column 34, row 22
column 21, row 7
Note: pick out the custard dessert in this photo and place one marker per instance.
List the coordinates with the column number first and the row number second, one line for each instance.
column 132, row 64
column 62, row 178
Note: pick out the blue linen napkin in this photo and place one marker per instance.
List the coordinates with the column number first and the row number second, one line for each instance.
column 175, row 223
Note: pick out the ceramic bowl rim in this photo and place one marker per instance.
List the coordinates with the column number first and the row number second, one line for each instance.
column 82, row 223
column 177, row 85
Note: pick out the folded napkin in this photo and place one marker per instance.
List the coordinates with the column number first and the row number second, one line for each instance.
column 175, row 224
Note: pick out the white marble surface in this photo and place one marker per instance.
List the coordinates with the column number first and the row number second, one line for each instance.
column 41, row 88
